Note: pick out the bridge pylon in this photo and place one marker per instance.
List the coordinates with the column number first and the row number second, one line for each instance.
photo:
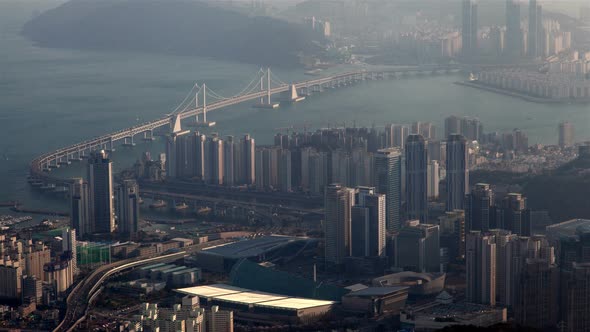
column 203, row 123
column 268, row 103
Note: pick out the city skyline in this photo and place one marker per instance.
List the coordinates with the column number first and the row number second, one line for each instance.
column 256, row 165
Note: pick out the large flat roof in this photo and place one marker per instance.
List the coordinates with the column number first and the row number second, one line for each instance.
column 211, row 290
column 295, row 303
column 244, row 296
column 250, row 297
column 251, row 247
column 567, row 228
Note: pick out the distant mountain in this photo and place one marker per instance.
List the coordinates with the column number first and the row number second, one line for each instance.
column 183, row 27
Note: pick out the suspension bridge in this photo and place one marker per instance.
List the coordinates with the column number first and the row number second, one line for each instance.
column 201, row 99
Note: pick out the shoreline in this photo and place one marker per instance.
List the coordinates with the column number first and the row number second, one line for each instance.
column 539, row 100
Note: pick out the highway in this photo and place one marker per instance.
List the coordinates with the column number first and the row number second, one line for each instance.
column 80, row 298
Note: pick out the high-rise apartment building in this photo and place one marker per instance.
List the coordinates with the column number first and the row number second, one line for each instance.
column 368, row 230
column 575, row 302
column 229, row 155
column 32, row 289
column 11, row 273
column 452, row 234
column 433, row 180
column 457, row 172
column 469, row 28
column 247, row 159
column 514, row 215
column 100, row 181
column 284, row 170
column 452, row 125
column 198, row 155
column 566, row 134
column 177, row 148
column 426, row 129
column 416, row 178
column 537, row 287
column 479, row 208
column 337, row 222
column 69, row 244
column 417, row 247
column 514, row 37
column 387, row 180
column 128, row 209
column 480, row 257
column 80, row 218
column 535, row 32
column 214, row 159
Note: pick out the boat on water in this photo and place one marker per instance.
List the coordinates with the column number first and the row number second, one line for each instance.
column 313, row 72
column 181, row 206
column 204, row 210
column 157, row 204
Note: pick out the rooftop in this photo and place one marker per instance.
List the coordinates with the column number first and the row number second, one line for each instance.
column 377, row 291
column 211, row 290
column 251, row 247
column 250, row 297
column 568, row 228
column 295, row 303
column 233, row 294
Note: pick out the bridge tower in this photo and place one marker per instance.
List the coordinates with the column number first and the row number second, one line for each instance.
column 205, row 123
column 293, row 95
column 268, row 88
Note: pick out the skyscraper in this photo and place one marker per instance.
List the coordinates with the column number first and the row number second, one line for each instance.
column 337, row 222
column 284, row 170
column 400, row 133
column 535, row 29
column 416, row 178
column 480, row 256
column 368, row 224
column 177, row 145
column 433, row 180
column 452, row 234
column 566, row 134
column 575, row 299
column 515, row 215
column 198, row 156
column 536, row 291
column 128, row 209
column 80, row 217
column 452, row 125
column 388, row 170
column 457, row 172
column 214, row 160
column 478, row 208
column 417, row 247
column 248, row 148
column 469, row 28
column 229, row 152
column 100, row 182
column 69, row 244
column 513, row 46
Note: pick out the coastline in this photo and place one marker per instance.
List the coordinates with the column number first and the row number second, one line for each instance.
column 521, row 95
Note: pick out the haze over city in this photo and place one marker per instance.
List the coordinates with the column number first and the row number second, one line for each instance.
column 294, row 165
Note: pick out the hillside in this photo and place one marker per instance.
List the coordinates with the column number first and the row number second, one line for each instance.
column 182, row 27
column 563, row 192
